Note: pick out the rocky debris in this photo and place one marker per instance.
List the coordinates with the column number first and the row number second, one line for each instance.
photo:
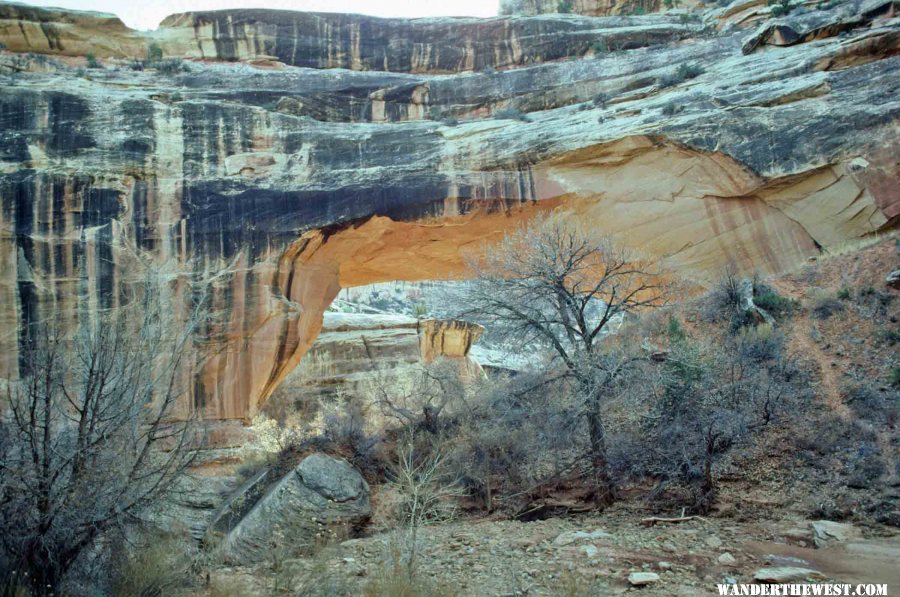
column 501, row 557
column 589, row 551
column 640, row 579
column 826, row 531
column 321, row 491
column 570, row 537
column 783, row 574
column 893, row 279
column 713, row 541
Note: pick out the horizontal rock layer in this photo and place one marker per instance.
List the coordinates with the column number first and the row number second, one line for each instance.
column 283, row 185
column 353, row 348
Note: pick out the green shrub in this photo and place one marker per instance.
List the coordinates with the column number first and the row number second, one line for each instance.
column 671, row 109
column 154, row 53
column 600, row 100
column 92, row 61
column 895, row 376
column 775, row 304
column 689, row 71
column 170, row 67
column 844, row 294
column 675, row 330
column 511, row 114
column 887, row 336
column 564, row 7
column 780, row 8
column 681, row 74
column 600, row 46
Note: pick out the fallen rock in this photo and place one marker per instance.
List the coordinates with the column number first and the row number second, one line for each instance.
column 713, row 541
column 570, row 537
column 321, row 491
column 589, row 550
column 827, row 531
column 785, row 574
column 798, row 536
column 639, row 579
column 893, row 279
column 726, row 559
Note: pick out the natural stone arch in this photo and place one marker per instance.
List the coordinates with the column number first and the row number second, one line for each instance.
column 696, row 210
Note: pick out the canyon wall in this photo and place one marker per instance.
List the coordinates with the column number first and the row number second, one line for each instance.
column 376, row 152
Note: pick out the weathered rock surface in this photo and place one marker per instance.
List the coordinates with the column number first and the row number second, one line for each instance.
column 284, row 185
column 784, row 574
column 596, row 8
column 827, row 531
column 640, row 579
column 804, row 26
column 893, row 279
column 352, row 348
column 322, row 490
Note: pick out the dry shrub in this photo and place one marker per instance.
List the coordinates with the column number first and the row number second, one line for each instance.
column 154, row 565
column 825, row 305
column 395, row 579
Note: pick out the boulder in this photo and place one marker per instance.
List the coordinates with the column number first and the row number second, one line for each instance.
column 640, row 579
column 320, row 492
column 827, row 531
column 726, row 559
column 783, row 574
column 893, row 279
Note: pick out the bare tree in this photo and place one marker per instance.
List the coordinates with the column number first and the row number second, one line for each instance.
column 709, row 397
column 426, row 492
column 553, row 285
column 416, row 395
column 93, row 433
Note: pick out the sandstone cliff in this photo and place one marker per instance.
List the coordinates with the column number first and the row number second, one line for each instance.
column 363, row 150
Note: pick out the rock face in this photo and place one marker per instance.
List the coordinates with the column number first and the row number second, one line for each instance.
column 596, row 8
column 321, row 491
column 282, row 184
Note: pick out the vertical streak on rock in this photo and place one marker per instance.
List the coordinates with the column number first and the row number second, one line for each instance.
column 169, row 169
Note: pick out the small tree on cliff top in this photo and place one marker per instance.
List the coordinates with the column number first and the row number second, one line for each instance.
column 88, row 437
column 556, row 286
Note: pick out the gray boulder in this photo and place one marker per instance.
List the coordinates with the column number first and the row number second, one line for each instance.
column 827, row 531
column 893, row 279
column 320, row 492
column 783, row 574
